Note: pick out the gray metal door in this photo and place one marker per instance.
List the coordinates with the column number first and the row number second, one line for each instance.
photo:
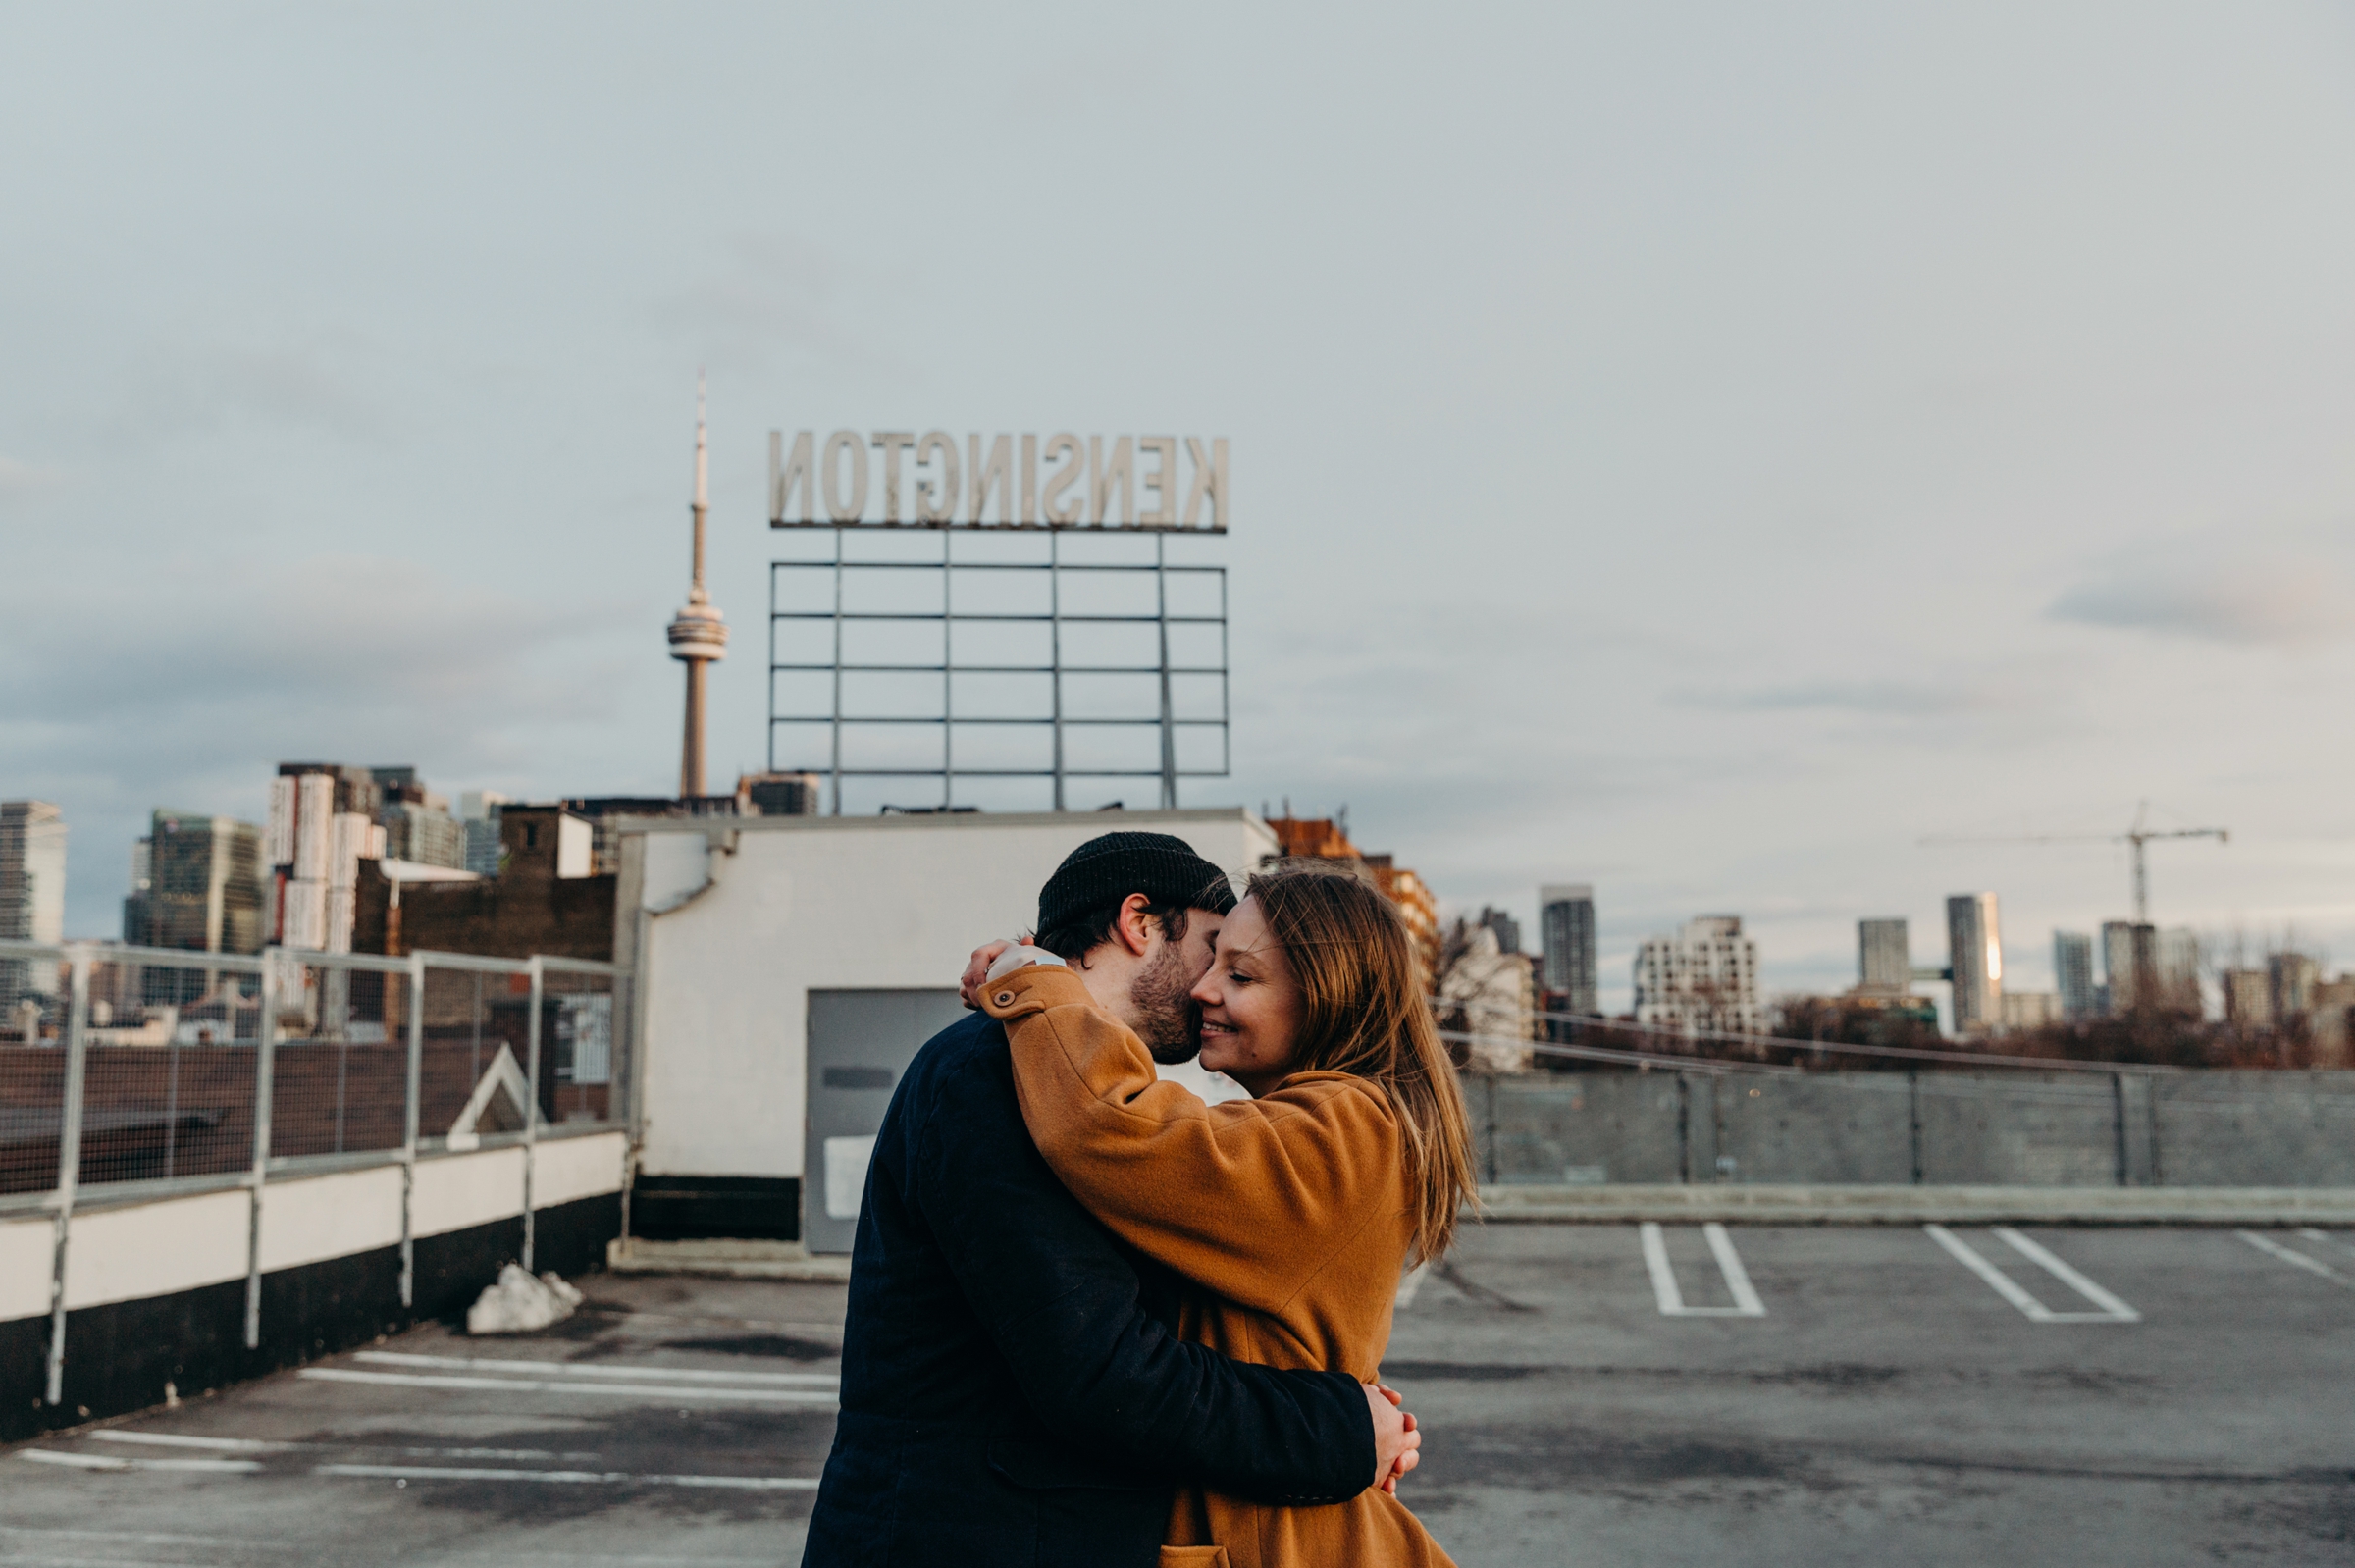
column 859, row 1043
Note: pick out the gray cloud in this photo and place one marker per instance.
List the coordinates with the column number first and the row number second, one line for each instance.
column 223, row 663
column 2287, row 601
column 205, row 675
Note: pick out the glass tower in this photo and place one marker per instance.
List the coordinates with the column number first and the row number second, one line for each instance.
column 32, row 894
column 2072, row 974
column 1974, row 947
column 1884, row 956
column 1566, row 926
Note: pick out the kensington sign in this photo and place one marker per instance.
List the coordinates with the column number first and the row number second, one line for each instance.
column 1090, row 484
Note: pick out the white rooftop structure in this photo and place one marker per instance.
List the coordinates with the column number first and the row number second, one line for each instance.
column 790, row 967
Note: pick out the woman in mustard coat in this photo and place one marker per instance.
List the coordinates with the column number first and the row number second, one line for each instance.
column 1290, row 1215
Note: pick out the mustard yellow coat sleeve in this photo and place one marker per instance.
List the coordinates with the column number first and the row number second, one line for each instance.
column 1247, row 1198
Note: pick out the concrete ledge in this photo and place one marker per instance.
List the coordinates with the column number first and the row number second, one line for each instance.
column 1889, row 1205
column 729, row 1260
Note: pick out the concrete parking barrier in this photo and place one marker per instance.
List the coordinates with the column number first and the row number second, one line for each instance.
column 1761, row 1204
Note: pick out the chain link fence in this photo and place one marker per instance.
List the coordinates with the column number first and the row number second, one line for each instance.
column 168, row 1074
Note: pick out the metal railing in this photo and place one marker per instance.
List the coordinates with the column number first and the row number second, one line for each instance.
column 132, row 1074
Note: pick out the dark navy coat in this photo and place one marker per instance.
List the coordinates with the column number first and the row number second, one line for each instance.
column 1013, row 1393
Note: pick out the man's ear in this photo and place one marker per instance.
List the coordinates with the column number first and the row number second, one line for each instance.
column 1134, row 928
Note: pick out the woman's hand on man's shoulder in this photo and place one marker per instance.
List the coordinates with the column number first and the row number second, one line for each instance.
column 976, row 972
column 993, row 959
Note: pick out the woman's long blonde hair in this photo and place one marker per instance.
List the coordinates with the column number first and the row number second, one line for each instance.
column 1364, row 1011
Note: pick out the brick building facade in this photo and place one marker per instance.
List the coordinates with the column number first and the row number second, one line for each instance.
column 534, row 903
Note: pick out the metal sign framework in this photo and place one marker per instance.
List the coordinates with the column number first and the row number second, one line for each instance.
column 949, row 616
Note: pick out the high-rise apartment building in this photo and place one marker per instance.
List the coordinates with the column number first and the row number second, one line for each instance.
column 418, row 827
column 1566, row 933
column 478, row 816
column 323, row 823
column 2072, row 974
column 1703, row 978
column 203, row 883
column 2120, row 986
column 1884, row 956
column 420, row 832
column 2292, row 978
column 2143, row 966
column 1975, row 948
column 203, row 893
column 2177, row 951
column 2248, row 999
column 1508, row 929
column 32, row 894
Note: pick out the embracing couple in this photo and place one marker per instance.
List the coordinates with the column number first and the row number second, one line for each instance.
column 1097, row 1323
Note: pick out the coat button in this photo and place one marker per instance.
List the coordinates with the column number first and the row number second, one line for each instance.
column 1005, row 999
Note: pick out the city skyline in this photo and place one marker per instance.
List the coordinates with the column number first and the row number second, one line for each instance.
column 2182, row 955
column 1613, row 970
column 1771, row 318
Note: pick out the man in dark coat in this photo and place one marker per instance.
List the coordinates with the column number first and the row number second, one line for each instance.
column 1013, row 1390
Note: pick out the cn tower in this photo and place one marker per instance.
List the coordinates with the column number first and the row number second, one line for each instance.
column 698, row 635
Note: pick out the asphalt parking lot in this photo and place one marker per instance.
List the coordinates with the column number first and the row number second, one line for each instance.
column 1593, row 1394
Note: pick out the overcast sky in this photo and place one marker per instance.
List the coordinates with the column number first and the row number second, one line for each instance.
column 1696, row 450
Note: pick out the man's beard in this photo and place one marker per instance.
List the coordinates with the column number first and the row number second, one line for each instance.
column 1168, row 1020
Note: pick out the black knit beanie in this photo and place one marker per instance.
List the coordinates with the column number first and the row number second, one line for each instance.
column 1105, row 870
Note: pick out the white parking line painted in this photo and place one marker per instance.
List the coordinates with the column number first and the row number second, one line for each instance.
column 2113, row 1309
column 626, row 1390
column 173, row 1439
column 2295, row 1258
column 576, row 1369
column 108, row 1461
column 2030, row 1250
column 244, row 1551
column 247, row 1467
column 104, row 1562
column 1408, row 1287
column 79, row 1560
column 508, row 1558
column 482, row 1453
column 152, row 1538
column 567, row 1477
column 1737, row 1278
column 2325, row 1238
column 1663, row 1279
column 1671, row 1300
column 1995, row 1276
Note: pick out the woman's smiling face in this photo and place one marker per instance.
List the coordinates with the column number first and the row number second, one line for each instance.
column 1250, row 1004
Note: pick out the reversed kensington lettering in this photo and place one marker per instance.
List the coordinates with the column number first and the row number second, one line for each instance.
column 998, row 481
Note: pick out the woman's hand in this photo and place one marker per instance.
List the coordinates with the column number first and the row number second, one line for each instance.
column 1397, row 1442
column 969, row 989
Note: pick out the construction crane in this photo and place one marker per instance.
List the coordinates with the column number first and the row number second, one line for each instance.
column 2138, row 835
